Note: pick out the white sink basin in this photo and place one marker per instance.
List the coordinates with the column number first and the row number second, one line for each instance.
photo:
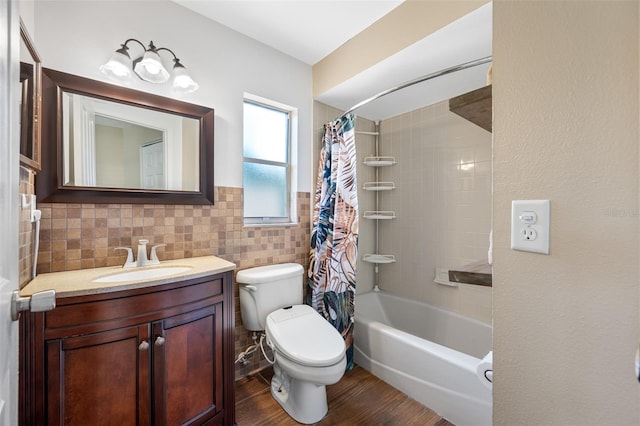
column 142, row 274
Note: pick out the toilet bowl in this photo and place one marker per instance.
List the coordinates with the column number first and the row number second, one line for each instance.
column 309, row 353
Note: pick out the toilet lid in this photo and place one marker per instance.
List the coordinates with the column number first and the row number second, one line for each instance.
column 303, row 335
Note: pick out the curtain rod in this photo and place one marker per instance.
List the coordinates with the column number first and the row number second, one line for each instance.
column 436, row 74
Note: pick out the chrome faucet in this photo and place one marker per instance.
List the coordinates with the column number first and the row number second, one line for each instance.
column 142, row 260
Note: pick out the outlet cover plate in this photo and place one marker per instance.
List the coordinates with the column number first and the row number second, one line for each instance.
column 542, row 209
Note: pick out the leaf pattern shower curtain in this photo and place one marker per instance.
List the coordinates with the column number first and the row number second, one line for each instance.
column 334, row 235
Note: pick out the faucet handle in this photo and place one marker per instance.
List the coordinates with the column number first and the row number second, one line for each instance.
column 154, row 256
column 129, row 262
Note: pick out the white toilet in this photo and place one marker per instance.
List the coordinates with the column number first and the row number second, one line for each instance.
column 309, row 352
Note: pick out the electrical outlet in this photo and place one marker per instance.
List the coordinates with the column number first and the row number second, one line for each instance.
column 528, row 234
column 530, row 221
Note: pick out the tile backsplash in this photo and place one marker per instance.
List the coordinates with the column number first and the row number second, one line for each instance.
column 80, row 236
column 26, row 229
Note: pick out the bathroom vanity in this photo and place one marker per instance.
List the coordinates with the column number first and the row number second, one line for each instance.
column 143, row 351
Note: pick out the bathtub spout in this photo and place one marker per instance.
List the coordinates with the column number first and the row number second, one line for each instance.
column 376, row 288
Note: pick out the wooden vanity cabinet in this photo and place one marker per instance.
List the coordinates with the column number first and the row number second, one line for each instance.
column 159, row 355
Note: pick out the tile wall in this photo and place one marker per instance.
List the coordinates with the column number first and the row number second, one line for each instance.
column 443, row 202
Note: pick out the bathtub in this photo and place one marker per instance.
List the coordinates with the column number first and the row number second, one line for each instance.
column 429, row 353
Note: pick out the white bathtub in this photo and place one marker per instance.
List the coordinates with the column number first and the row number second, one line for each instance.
column 429, row 353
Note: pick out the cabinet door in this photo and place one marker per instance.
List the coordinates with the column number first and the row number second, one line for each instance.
column 99, row 379
column 188, row 381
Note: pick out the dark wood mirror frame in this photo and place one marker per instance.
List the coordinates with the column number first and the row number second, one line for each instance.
column 49, row 185
column 30, row 105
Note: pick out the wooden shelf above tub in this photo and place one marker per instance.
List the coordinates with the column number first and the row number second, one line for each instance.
column 475, row 106
column 476, row 278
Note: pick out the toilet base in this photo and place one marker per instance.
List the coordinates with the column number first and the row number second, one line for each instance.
column 305, row 402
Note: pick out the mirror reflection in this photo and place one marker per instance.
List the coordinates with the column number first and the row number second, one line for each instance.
column 26, row 108
column 113, row 145
column 29, row 102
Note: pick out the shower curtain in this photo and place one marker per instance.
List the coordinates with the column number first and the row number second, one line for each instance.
column 334, row 235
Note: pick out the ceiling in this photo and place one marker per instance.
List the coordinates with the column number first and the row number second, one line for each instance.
column 308, row 37
column 307, row 30
column 467, row 39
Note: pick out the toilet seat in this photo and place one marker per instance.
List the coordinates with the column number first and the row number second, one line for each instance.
column 304, row 336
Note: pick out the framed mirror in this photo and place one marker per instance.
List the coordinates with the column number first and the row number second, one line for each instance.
column 30, row 82
column 104, row 143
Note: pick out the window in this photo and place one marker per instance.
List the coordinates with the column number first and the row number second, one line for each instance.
column 267, row 170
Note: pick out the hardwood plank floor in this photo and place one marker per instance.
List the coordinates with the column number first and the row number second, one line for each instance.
column 358, row 399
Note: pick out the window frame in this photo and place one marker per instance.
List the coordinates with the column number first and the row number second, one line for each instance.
column 289, row 207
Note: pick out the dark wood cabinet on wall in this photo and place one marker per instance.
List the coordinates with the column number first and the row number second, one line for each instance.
column 159, row 355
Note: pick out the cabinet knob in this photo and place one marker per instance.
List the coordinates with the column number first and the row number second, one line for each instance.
column 159, row 341
column 143, row 346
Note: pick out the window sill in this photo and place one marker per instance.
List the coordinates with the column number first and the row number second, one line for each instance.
column 271, row 225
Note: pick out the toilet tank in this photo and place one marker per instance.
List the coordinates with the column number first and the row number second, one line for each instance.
column 265, row 289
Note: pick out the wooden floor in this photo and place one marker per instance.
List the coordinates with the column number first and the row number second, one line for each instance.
column 359, row 398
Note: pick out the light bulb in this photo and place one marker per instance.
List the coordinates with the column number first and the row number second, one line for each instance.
column 118, row 67
column 182, row 81
column 150, row 68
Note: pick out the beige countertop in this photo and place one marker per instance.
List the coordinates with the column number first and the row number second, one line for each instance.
column 81, row 282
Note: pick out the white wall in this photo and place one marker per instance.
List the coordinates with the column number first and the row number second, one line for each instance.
column 27, row 15
column 78, row 36
column 566, row 325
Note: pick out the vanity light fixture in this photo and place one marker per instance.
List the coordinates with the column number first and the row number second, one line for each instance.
column 148, row 67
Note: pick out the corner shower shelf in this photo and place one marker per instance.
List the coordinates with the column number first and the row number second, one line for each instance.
column 379, row 215
column 379, row 258
column 376, row 161
column 378, row 186
column 379, row 161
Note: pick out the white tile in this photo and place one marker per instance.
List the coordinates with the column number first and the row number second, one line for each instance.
column 443, row 203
